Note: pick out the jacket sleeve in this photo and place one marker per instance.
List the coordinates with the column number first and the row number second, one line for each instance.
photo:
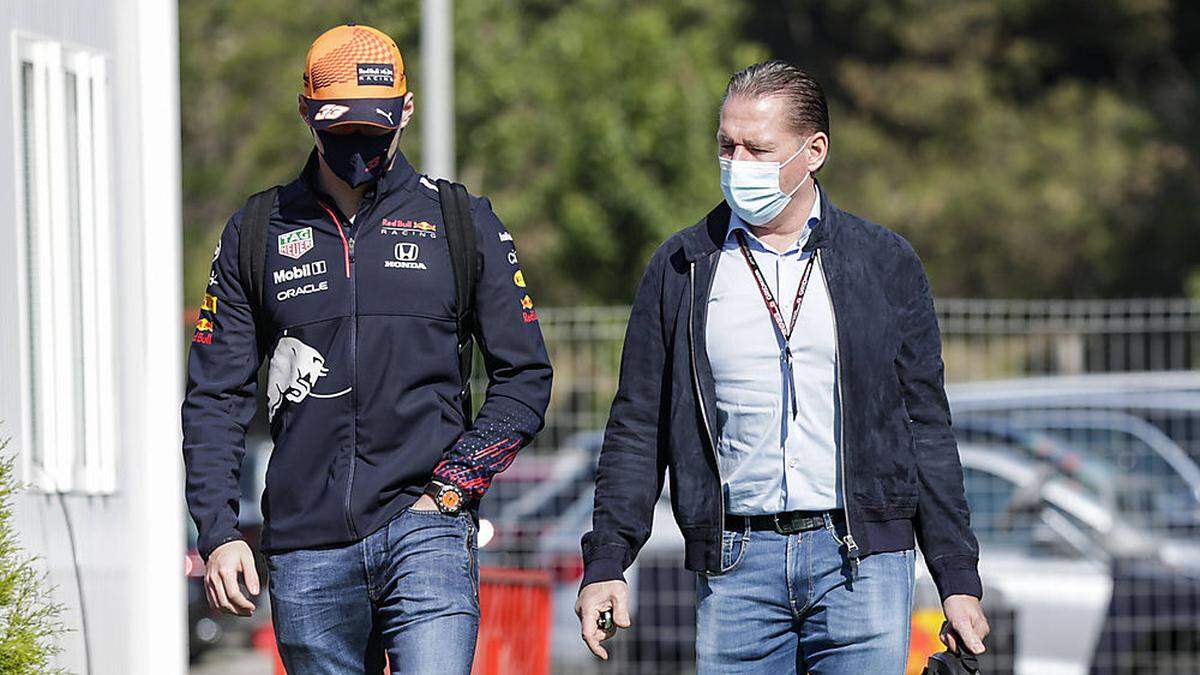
column 943, row 521
column 629, row 477
column 514, row 355
column 219, row 403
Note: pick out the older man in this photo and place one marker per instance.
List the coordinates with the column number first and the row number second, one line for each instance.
column 783, row 359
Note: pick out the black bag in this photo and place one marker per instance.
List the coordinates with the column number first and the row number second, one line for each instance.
column 460, row 236
column 949, row 663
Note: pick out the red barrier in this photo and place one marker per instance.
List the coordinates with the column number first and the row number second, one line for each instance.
column 514, row 624
column 263, row 640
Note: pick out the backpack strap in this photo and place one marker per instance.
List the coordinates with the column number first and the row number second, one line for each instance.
column 252, row 250
column 460, row 235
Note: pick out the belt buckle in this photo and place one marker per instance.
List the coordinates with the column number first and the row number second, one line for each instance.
column 778, row 526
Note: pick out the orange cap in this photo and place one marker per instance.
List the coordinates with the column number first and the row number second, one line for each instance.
column 354, row 74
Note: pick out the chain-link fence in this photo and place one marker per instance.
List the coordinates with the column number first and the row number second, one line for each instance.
column 1079, row 428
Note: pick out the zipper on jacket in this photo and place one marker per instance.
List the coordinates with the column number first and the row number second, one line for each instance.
column 700, row 394
column 851, row 546
column 348, row 249
column 347, row 246
column 353, row 389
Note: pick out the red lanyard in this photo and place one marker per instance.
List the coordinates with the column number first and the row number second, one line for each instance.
column 768, row 297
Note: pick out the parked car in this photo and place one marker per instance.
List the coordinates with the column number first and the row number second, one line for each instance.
column 662, row 592
column 1082, row 578
column 1034, row 392
column 1169, row 400
column 1070, row 461
column 1152, row 480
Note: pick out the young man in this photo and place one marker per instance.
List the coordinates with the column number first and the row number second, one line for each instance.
column 783, row 359
column 369, row 529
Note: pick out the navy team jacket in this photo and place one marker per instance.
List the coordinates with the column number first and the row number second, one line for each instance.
column 359, row 326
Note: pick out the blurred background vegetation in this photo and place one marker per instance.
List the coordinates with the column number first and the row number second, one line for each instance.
column 1026, row 148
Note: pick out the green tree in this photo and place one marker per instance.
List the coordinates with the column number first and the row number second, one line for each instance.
column 240, row 68
column 29, row 619
column 593, row 125
column 1026, row 148
column 590, row 124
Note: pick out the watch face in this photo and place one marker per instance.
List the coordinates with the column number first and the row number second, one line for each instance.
column 449, row 500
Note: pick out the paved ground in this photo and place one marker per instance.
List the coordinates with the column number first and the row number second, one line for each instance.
column 231, row 662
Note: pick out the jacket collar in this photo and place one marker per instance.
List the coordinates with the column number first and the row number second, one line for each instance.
column 707, row 236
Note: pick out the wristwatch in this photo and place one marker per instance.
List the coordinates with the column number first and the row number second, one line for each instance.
column 449, row 498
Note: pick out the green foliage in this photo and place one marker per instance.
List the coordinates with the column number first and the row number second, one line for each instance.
column 593, row 124
column 29, row 620
column 1026, row 148
column 590, row 124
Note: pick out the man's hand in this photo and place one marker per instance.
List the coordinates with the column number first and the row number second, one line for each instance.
column 221, row 578
column 966, row 620
column 595, row 598
column 425, row 503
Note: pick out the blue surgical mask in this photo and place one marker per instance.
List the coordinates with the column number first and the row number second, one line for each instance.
column 752, row 188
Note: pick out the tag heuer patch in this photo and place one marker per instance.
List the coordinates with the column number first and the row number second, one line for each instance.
column 376, row 74
column 296, row 243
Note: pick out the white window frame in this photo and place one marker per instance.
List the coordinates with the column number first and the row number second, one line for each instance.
column 71, row 425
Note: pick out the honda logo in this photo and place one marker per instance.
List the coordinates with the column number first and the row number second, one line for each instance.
column 407, row 252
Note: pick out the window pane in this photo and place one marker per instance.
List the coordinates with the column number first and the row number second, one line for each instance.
column 29, row 178
column 79, row 372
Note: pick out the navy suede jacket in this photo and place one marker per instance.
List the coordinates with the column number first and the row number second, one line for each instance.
column 363, row 397
column 901, row 474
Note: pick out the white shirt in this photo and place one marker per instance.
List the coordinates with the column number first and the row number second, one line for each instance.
column 769, row 461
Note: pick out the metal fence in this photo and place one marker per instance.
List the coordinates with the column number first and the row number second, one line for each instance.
column 982, row 340
column 1079, row 435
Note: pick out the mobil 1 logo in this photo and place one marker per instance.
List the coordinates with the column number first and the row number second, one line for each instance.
column 315, row 268
column 309, row 269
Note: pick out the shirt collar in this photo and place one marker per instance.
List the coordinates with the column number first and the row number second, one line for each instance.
column 814, row 217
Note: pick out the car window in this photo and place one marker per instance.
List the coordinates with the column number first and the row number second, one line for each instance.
column 1151, row 491
column 1182, row 426
column 989, row 497
column 997, row 522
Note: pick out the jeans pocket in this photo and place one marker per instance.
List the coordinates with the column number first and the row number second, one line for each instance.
column 473, row 554
column 733, row 549
column 428, row 512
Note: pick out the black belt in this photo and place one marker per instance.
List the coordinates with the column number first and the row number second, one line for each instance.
column 789, row 522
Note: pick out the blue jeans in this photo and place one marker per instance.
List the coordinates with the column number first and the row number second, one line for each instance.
column 791, row 604
column 411, row 588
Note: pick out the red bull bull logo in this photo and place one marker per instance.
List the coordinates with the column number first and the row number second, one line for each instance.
column 294, row 372
column 526, row 302
column 204, row 325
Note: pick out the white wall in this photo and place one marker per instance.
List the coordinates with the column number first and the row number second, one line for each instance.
column 129, row 544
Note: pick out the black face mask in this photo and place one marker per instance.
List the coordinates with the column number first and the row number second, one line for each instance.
column 356, row 158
